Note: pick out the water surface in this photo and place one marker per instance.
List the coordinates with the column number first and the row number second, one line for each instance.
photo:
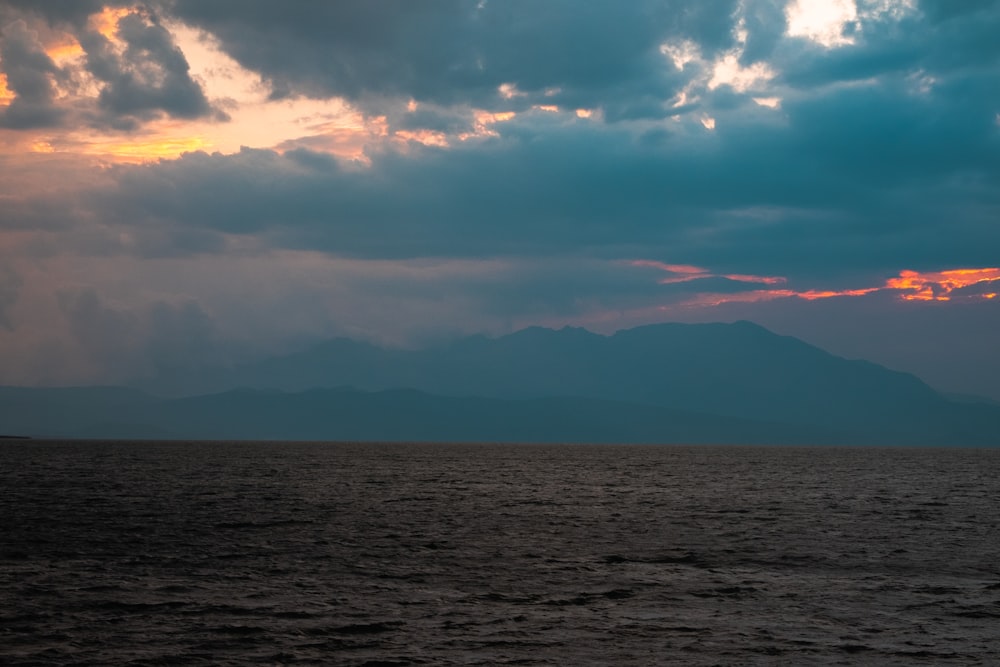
column 353, row 554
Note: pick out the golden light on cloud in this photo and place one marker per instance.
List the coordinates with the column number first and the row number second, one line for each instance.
column 910, row 285
column 344, row 134
column 482, row 120
column 425, row 137
column 6, row 94
column 663, row 266
column 812, row 295
column 939, row 285
column 138, row 151
column 584, row 113
column 682, row 273
column 106, row 22
column 547, row 107
column 325, row 125
column 501, row 117
column 746, row 278
column 66, row 50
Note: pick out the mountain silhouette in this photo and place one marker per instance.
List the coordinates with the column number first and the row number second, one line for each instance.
column 735, row 370
column 725, row 383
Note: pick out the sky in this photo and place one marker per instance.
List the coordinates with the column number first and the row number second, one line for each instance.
column 186, row 182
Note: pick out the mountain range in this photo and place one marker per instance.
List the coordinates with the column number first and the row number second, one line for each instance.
column 682, row 383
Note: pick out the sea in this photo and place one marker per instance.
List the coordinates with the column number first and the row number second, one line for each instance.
column 243, row 553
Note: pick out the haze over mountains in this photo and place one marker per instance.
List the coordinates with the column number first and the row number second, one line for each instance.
column 725, row 383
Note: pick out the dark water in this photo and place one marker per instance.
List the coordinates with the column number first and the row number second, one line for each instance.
column 162, row 554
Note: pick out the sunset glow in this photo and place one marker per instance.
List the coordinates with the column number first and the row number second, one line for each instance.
column 425, row 137
column 643, row 161
column 6, row 94
column 106, row 22
column 144, row 151
column 939, row 285
column 65, row 51
column 910, row 285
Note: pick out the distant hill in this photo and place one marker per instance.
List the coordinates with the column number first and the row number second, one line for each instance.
column 711, row 383
column 737, row 370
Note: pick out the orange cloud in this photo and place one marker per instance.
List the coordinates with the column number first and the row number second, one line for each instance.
column 425, row 137
column 65, row 50
column 910, row 285
column 106, row 22
column 938, row 285
column 672, row 268
column 6, row 95
column 483, row 121
column 812, row 295
column 146, row 151
column 746, row 278
column 687, row 272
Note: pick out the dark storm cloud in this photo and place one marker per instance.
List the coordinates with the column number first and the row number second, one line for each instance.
column 29, row 73
column 146, row 79
column 151, row 76
column 437, row 119
column 765, row 24
column 72, row 12
column 461, row 51
column 843, row 177
column 852, row 179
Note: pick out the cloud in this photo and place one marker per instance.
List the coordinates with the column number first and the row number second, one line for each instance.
column 846, row 182
column 119, row 68
column 146, row 77
column 931, row 38
column 29, row 72
column 765, row 23
column 72, row 13
column 462, row 51
column 947, row 285
column 945, row 10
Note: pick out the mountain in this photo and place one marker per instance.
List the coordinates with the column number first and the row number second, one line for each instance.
column 737, row 370
column 722, row 383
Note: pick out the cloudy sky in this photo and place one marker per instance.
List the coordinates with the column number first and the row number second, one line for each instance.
column 187, row 181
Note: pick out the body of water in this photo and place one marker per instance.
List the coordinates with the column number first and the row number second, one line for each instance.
column 421, row 554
